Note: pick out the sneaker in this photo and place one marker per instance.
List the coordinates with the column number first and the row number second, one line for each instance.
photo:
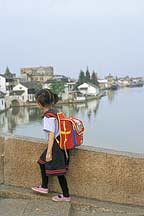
column 40, row 189
column 61, row 198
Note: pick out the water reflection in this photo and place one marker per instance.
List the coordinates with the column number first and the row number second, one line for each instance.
column 114, row 122
column 18, row 116
column 111, row 95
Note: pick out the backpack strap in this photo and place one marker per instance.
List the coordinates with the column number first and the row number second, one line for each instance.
column 54, row 113
column 50, row 113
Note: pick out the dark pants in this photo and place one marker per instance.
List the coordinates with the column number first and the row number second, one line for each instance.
column 61, row 178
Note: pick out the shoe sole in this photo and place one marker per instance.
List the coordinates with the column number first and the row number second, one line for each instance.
column 39, row 191
column 55, row 200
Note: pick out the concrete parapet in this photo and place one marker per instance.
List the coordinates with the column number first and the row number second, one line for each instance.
column 93, row 173
column 1, row 160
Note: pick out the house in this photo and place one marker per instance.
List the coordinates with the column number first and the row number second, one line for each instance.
column 10, row 81
column 124, row 82
column 110, row 80
column 88, row 89
column 29, row 89
column 22, row 93
column 103, row 83
column 2, row 101
column 69, row 85
column 69, row 91
column 59, row 78
column 2, row 83
column 40, row 74
column 136, row 82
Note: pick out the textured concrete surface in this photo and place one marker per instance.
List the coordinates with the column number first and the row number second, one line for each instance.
column 18, row 207
column 93, row 174
column 1, row 160
column 16, row 201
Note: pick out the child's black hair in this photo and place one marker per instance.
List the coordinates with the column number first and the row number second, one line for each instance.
column 46, row 97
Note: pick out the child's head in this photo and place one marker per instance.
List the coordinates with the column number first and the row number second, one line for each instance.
column 46, row 98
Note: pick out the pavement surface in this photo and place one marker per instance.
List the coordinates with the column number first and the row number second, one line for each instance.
column 16, row 201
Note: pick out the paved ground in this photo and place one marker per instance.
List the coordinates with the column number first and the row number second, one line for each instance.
column 19, row 207
column 23, row 202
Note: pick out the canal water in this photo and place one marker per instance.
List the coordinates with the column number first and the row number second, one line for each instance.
column 115, row 122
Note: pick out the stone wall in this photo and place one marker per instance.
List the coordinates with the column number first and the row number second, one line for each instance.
column 1, row 160
column 93, row 173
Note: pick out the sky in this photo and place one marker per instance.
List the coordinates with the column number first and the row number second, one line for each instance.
column 105, row 35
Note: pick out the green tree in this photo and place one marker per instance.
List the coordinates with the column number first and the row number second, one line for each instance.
column 94, row 78
column 57, row 87
column 37, row 85
column 81, row 77
column 87, row 77
column 7, row 72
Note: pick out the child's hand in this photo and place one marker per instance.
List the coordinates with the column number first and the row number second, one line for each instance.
column 48, row 156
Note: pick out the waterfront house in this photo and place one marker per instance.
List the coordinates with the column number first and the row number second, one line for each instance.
column 2, row 83
column 136, row 82
column 59, row 78
column 103, row 83
column 21, row 94
column 69, row 86
column 110, row 81
column 124, row 82
column 88, row 89
column 2, row 101
column 10, row 81
column 29, row 89
column 69, row 92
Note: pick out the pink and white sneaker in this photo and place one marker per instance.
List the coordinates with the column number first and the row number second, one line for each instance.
column 40, row 189
column 61, row 198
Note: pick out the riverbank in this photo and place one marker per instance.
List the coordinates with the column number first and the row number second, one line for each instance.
column 66, row 102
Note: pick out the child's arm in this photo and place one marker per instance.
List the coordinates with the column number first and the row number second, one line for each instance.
column 51, row 138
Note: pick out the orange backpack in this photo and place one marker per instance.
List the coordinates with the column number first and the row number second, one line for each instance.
column 71, row 130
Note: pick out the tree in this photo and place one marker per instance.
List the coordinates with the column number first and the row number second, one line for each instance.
column 87, row 77
column 81, row 78
column 94, row 78
column 57, row 87
column 37, row 85
column 7, row 72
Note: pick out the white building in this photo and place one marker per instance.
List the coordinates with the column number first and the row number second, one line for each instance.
column 21, row 92
column 88, row 89
column 2, row 101
column 103, row 83
column 2, row 83
column 68, row 92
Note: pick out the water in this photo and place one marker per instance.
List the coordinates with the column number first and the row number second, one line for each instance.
column 115, row 122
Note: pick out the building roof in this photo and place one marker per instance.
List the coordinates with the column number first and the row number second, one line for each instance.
column 102, row 81
column 35, row 68
column 85, row 85
column 18, row 92
column 29, row 85
column 2, row 95
column 2, row 75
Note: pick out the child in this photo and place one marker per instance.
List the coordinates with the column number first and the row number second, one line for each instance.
column 53, row 161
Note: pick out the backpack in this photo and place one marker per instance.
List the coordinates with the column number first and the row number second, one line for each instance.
column 71, row 130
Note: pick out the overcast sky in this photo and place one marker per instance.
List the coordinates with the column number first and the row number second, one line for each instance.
column 106, row 35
